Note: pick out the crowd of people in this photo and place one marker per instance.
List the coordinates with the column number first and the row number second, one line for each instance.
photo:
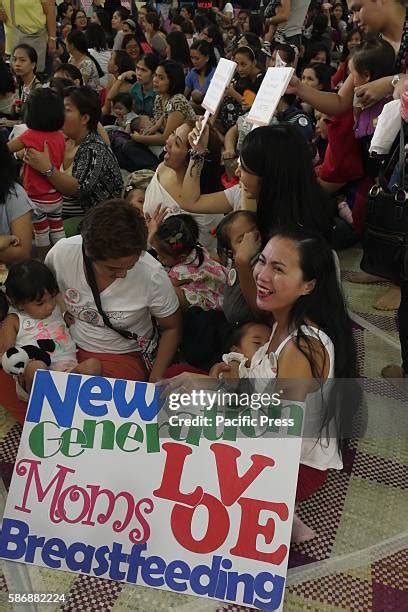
column 146, row 253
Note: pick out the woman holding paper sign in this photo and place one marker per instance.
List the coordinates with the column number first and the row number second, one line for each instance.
column 276, row 170
column 166, row 187
column 240, row 95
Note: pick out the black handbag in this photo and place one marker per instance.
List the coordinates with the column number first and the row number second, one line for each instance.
column 385, row 238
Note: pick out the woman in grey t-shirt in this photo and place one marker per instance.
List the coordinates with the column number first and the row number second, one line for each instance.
column 15, row 213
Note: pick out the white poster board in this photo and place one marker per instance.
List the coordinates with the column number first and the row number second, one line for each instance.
column 219, row 83
column 99, row 489
column 272, row 89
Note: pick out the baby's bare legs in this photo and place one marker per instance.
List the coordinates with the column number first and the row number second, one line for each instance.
column 90, row 367
column 26, row 379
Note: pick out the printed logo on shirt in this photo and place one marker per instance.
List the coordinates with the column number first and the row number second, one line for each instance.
column 72, row 296
column 28, row 324
column 88, row 315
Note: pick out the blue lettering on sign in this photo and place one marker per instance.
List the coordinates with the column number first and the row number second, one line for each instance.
column 263, row 590
column 92, row 395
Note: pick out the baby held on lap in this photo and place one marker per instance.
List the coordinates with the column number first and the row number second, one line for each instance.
column 141, row 124
column 245, row 342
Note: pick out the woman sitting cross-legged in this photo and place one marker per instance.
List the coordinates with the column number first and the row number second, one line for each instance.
column 170, row 110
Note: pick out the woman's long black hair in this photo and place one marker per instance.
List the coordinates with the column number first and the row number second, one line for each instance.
column 78, row 39
column 179, row 49
column 324, row 308
column 205, row 49
column 289, row 194
column 210, row 177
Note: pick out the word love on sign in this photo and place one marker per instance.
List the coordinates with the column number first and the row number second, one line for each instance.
column 100, row 488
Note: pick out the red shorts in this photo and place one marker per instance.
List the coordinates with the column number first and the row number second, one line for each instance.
column 128, row 366
column 179, row 368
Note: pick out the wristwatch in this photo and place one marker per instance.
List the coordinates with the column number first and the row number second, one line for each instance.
column 395, row 80
column 49, row 172
column 52, row 38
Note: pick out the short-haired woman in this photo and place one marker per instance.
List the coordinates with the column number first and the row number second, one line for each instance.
column 90, row 173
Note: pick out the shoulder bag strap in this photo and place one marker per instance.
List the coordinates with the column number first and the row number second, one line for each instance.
column 146, row 347
column 90, row 275
column 402, row 158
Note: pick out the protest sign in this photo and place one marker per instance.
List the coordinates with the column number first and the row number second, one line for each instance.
column 219, row 82
column 99, row 489
column 215, row 92
column 273, row 87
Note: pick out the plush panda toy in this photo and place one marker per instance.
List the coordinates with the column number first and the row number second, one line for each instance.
column 15, row 359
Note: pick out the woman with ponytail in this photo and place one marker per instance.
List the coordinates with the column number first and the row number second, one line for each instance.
column 81, row 58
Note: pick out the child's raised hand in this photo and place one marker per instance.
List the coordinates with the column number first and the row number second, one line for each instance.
column 248, row 248
column 129, row 74
column 154, row 221
column 8, row 240
column 68, row 318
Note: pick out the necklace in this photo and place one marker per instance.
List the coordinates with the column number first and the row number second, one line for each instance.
column 26, row 90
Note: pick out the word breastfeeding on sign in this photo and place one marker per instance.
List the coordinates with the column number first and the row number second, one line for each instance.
column 264, row 590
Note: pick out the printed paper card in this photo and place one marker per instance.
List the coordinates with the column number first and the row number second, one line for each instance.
column 273, row 87
column 104, row 487
column 219, row 82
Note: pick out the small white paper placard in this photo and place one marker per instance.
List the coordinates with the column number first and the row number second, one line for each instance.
column 272, row 88
column 220, row 81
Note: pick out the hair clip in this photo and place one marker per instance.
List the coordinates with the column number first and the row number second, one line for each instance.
column 175, row 239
